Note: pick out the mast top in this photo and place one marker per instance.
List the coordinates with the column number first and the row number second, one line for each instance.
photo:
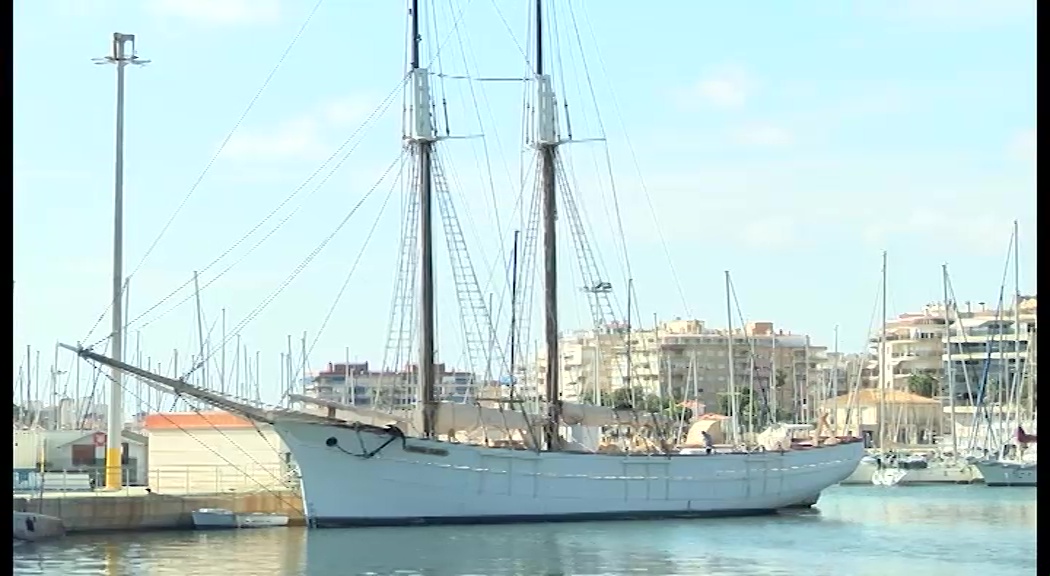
column 539, row 37
column 413, row 11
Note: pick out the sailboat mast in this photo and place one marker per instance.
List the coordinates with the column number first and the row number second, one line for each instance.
column 1018, row 373
column 734, row 403
column 547, row 144
column 949, row 370
column 423, row 136
column 200, row 327
column 627, row 348
column 513, row 314
column 835, row 367
column 882, row 362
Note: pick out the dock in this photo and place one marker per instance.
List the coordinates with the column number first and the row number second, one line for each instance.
column 135, row 509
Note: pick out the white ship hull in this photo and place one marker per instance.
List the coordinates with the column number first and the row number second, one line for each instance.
column 1008, row 473
column 365, row 476
column 806, row 502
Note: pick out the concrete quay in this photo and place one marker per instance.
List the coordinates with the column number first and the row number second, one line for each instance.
column 135, row 509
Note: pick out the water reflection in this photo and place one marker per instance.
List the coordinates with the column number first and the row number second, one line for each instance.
column 858, row 531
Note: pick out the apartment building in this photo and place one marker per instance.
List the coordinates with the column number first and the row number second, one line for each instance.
column 356, row 384
column 684, row 358
column 978, row 342
column 989, row 345
column 914, row 344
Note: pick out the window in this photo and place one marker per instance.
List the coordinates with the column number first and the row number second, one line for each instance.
column 83, row 455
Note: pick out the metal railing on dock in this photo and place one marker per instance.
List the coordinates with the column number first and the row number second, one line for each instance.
column 174, row 480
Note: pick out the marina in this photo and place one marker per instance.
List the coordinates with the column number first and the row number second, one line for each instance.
column 449, row 369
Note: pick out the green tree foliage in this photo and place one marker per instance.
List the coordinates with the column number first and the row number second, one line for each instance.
column 923, row 384
column 637, row 399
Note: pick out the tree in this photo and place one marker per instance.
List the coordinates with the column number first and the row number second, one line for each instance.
column 744, row 404
column 632, row 398
column 781, row 379
column 923, row 384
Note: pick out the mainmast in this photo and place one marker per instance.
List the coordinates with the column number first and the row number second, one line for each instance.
column 423, row 136
column 546, row 142
column 115, row 421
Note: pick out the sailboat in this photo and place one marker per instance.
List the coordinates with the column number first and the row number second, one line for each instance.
column 1018, row 469
column 1016, row 462
column 364, row 467
column 941, row 467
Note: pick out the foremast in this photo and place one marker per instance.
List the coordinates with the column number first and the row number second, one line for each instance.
column 421, row 136
column 546, row 141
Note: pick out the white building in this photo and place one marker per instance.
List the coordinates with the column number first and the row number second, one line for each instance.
column 984, row 343
column 356, row 384
column 212, row 452
column 80, row 451
column 683, row 358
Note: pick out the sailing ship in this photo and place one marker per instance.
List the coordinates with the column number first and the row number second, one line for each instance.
column 367, row 467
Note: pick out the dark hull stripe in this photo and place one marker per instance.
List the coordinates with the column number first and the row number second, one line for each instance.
column 531, row 518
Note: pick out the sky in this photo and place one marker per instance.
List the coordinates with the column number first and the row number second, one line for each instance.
column 790, row 145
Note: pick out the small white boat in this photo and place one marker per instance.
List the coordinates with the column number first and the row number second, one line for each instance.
column 216, row 518
column 30, row 527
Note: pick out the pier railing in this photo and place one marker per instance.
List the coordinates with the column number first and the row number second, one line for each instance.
column 174, row 480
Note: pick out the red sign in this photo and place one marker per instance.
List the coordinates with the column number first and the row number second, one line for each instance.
column 99, row 438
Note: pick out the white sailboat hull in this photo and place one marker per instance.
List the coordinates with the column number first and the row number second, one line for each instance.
column 999, row 473
column 942, row 473
column 888, row 476
column 354, row 476
column 937, row 472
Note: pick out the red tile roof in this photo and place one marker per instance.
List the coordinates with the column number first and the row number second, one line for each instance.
column 194, row 421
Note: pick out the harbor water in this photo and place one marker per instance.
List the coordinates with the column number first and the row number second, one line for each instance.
column 856, row 530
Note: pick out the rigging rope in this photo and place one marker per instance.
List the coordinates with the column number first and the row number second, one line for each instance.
column 357, row 260
column 295, row 505
column 207, row 167
column 302, row 265
column 377, row 112
column 641, row 179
